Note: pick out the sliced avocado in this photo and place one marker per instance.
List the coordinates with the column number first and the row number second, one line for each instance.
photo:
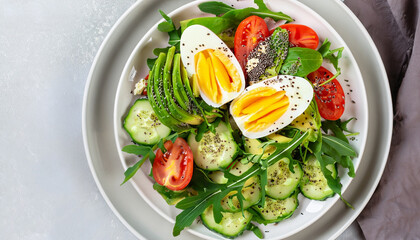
column 279, row 138
column 194, row 83
column 173, row 105
column 309, row 121
column 155, row 99
column 204, row 109
column 178, row 87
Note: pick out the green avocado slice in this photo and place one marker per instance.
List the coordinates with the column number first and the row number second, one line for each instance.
column 155, row 98
column 173, row 105
column 179, row 92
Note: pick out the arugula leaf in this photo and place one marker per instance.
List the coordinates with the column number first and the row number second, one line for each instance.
column 231, row 17
column 129, row 173
column 150, row 62
column 175, row 38
column 255, row 230
column 338, row 146
column 263, row 184
column 136, row 149
column 214, row 7
column 343, row 125
column 340, row 152
column 205, row 127
column 346, row 162
column 333, row 183
column 194, row 206
column 169, row 27
column 337, row 131
column 329, row 54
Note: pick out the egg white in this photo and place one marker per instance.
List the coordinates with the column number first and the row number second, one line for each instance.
column 197, row 38
column 297, row 89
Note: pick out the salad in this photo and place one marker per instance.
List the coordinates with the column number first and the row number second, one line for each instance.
column 238, row 117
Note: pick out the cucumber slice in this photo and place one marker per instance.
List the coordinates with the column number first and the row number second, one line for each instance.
column 143, row 125
column 232, row 224
column 281, row 182
column 314, row 184
column 251, row 190
column 251, row 193
column 276, row 210
column 215, row 150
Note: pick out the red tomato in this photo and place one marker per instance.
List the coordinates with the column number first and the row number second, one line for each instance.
column 145, row 89
column 249, row 33
column 301, row 36
column 329, row 97
column 174, row 168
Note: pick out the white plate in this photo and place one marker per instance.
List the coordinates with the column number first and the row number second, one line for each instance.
column 102, row 153
column 351, row 80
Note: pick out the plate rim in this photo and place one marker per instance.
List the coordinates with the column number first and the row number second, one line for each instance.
column 94, row 68
column 390, row 118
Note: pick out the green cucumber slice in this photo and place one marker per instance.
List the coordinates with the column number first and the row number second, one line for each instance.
column 276, row 210
column 215, row 150
column 314, row 184
column 281, row 182
column 232, row 224
column 251, row 193
column 143, row 125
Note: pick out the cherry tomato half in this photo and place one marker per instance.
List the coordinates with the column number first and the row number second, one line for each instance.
column 329, row 97
column 249, row 33
column 174, row 168
column 301, row 36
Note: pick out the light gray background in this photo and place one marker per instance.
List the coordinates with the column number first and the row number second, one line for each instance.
column 46, row 189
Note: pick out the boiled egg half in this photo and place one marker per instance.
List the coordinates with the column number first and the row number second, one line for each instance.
column 212, row 65
column 270, row 105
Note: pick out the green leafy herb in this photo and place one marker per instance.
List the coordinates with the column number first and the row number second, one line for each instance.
column 333, row 56
column 150, row 62
column 231, row 17
column 169, row 27
column 301, row 61
column 329, row 54
column 331, row 150
column 256, row 231
column 205, row 127
column 129, row 173
column 214, row 7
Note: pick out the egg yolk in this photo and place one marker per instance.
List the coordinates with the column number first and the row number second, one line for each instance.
column 262, row 106
column 215, row 71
